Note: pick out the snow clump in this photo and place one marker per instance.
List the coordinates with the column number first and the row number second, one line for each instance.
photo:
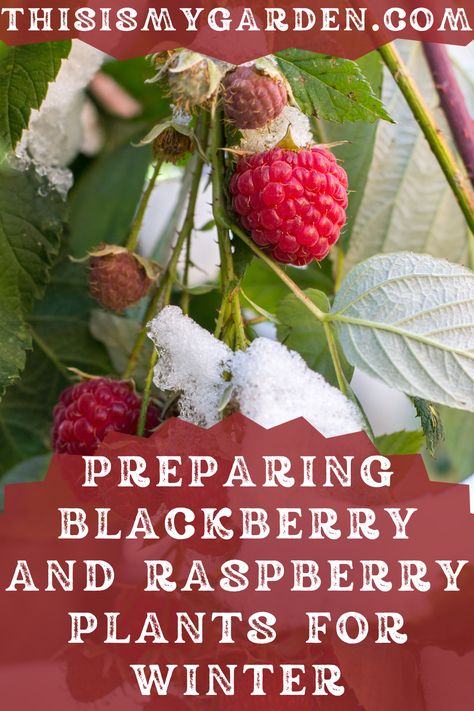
column 55, row 132
column 263, row 139
column 190, row 361
column 273, row 385
column 270, row 383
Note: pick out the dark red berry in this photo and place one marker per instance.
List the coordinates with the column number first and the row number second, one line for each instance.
column 86, row 412
column 118, row 280
column 253, row 99
column 292, row 202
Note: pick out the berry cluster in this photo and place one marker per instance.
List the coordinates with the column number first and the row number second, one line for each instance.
column 86, row 412
column 293, row 202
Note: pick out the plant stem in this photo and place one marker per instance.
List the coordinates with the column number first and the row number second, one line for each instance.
column 164, row 240
column 341, row 378
column 147, row 394
column 339, row 267
column 187, row 228
column 431, row 130
column 453, row 102
column 164, row 288
column 230, row 306
column 142, row 208
column 140, row 339
column 185, row 296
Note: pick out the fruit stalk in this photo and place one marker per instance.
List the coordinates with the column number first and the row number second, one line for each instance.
column 274, row 266
column 432, row 132
column 453, row 102
column 142, row 208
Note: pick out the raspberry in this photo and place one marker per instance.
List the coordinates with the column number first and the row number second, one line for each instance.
column 86, row 412
column 118, row 279
column 292, row 202
column 252, row 99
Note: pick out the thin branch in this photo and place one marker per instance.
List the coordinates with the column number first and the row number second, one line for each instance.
column 455, row 177
column 147, row 394
column 281, row 274
column 232, row 331
column 163, row 290
column 341, row 378
column 187, row 263
column 142, row 208
column 453, row 102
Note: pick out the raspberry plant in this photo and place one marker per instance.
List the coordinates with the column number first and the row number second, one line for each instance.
column 314, row 238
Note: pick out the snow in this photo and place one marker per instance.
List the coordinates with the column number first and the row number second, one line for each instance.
column 191, row 361
column 270, row 383
column 273, row 385
column 264, row 139
column 55, row 132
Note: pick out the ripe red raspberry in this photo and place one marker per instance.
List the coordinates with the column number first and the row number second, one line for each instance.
column 86, row 412
column 118, row 280
column 293, row 202
column 252, row 99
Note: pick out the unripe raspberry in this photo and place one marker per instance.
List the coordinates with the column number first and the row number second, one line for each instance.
column 292, row 202
column 171, row 145
column 118, row 279
column 252, row 99
column 86, row 412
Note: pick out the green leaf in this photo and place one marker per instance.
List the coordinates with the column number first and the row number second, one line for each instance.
column 210, row 225
column 104, row 201
column 330, row 88
column 400, row 443
column 118, row 335
column 25, row 73
column 407, row 203
column 459, row 440
column 30, row 470
column 300, row 331
column 263, row 286
column 258, row 309
column 14, row 334
column 407, row 319
column 357, row 150
column 31, row 225
column 204, row 308
column 62, row 339
column 431, row 423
